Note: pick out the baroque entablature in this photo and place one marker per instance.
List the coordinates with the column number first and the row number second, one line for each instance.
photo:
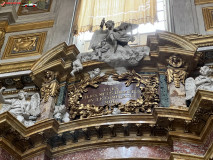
column 153, row 115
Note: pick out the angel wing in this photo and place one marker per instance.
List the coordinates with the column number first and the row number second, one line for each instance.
column 128, row 27
column 34, row 105
column 97, row 37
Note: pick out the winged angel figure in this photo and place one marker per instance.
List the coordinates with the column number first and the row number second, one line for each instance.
column 25, row 111
column 111, row 46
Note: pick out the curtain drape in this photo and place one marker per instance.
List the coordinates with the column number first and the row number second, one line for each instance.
column 91, row 12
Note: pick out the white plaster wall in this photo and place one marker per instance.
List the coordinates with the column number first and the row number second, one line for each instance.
column 183, row 17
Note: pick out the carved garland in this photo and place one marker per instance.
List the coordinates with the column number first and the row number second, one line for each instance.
column 148, row 100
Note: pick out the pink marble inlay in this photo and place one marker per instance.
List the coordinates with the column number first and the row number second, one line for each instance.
column 194, row 149
column 40, row 157
column 4, row 155
column 188, row 148
column 162, row 152
column 209, row 140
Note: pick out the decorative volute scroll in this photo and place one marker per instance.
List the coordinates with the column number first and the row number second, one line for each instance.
column 50, row 86
column 174, row 72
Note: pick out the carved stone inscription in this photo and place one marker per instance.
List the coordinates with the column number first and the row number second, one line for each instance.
column 111, row 94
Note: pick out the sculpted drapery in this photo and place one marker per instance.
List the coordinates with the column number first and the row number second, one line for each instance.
column 91, row 12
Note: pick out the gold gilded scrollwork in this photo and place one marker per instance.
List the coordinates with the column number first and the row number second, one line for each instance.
column 148, row 100
column 50, row 86
column 2, row 37
column 175, row 61
column 174, row 73
column 75, row 94
column 149, row 92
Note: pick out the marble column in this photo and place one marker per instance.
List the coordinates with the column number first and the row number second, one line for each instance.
column 163, row 91
column 62, row 94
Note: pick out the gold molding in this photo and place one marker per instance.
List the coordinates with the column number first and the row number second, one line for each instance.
column 200, row 40
column 208, row 18
column 29, row 26
column 151, row 119
column 16, row 66
column 176, row 39
column 13, row 40
column 198, row 2
column 3, row 24
column 180, row 156
column 57, row 59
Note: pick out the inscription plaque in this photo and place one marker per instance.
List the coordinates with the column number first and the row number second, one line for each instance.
column 111, row 94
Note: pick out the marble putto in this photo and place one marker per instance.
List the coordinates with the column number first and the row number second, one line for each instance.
column 25, row 111
column 202, row 82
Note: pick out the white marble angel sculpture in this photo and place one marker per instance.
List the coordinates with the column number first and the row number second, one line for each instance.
column 202, row 82
column 61, row 114
column 25, row 111
column 190, row 88
column 113, row 36
column 111, row 46
column 77, row 66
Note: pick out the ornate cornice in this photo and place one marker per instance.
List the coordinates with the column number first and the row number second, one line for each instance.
column 199, row 2
column 161, row 119
column 16, row 66
column 57, row 59
column 29, row 26
column 200, row 40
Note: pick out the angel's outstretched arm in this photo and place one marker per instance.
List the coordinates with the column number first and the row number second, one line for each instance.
column 2, row 100
column 102, row 23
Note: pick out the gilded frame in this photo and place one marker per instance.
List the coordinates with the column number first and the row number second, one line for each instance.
column 12, row 40
column 199, row 2
column 208, row 18
column 148, row 100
